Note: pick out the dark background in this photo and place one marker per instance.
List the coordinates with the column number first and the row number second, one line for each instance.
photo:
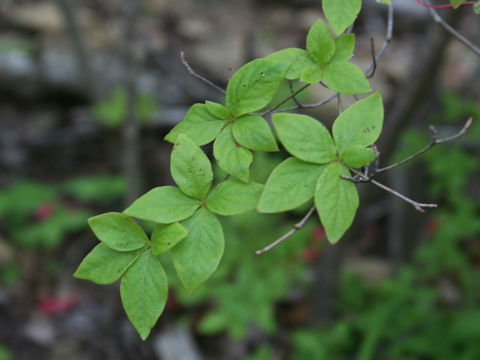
column 89, row 88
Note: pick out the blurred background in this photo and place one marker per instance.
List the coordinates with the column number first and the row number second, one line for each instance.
column 88, row 90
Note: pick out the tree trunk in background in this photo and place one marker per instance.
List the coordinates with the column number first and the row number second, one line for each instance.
column 327, row 280
column 67, row 8
column 131, row 143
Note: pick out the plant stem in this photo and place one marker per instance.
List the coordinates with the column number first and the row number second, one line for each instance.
column 296, row 227
column 198, row 76
column 419, row 206
column 291, row 96
column 437, row 18
column 434, row 142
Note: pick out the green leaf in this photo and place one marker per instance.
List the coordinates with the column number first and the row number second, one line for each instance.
column 118, row 231
column 312, row 74
column 199, row 125
column 217, row 110
column 232, row 158
column 143, row 291
column 190, row 168
column 336, row 200
column 297, row 60
column 344, row 46
column 198, row 255
column 104, row 265
column 165, row 237
column 360, row 124
column 291, row 184
column 358, row 156
column 384, row 1
column 454, row 2
column 232, row 197
column 320, row 43
column 345, row 78
column 253, row 132
column 163, row 204
column 254, row 85
column 341, row 13
column 305, row 138
column 476, row 8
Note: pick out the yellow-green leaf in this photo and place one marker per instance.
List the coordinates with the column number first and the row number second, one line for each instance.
column 358, row 156
column 104, row 265
column 253, row 132
column 199, row 124
column 197, row 256
column 305, row 138
column 254, row 85
column 345, row 78
column 336, row 200
column 163, row 204
column 341, row 13
column 190, row 168
column 232, row 197
column 164, row 237
column 320, row 43
column 118, row 231
column 291, row 184
column 143, row 291
column 360, row 124
column 232, row 157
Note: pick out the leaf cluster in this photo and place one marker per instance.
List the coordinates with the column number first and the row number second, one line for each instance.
column 187, row 214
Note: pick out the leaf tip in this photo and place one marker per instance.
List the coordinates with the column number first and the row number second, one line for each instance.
column 333, row 239
column 169, row 138
column 143, row 333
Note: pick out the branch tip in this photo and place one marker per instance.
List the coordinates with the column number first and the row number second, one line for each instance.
column 198, row 76
column 294, row 229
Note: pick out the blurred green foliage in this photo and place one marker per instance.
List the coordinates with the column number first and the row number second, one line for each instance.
column 5, row 354
column 8, row 44
column 263, row 352
column 96, row 189
column 112, row 111
column 9, row 273
column 37, row 215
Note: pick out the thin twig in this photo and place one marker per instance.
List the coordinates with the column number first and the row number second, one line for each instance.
column 309, row 106
column 445, row 5
column 295, row 228
column 437, row 18
column 374, row 61
column 418, row 206
column 386, row 42
column 292, row 90
column 198, row 76
column 433, row 142
column 273, row 108
column 377, row 157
